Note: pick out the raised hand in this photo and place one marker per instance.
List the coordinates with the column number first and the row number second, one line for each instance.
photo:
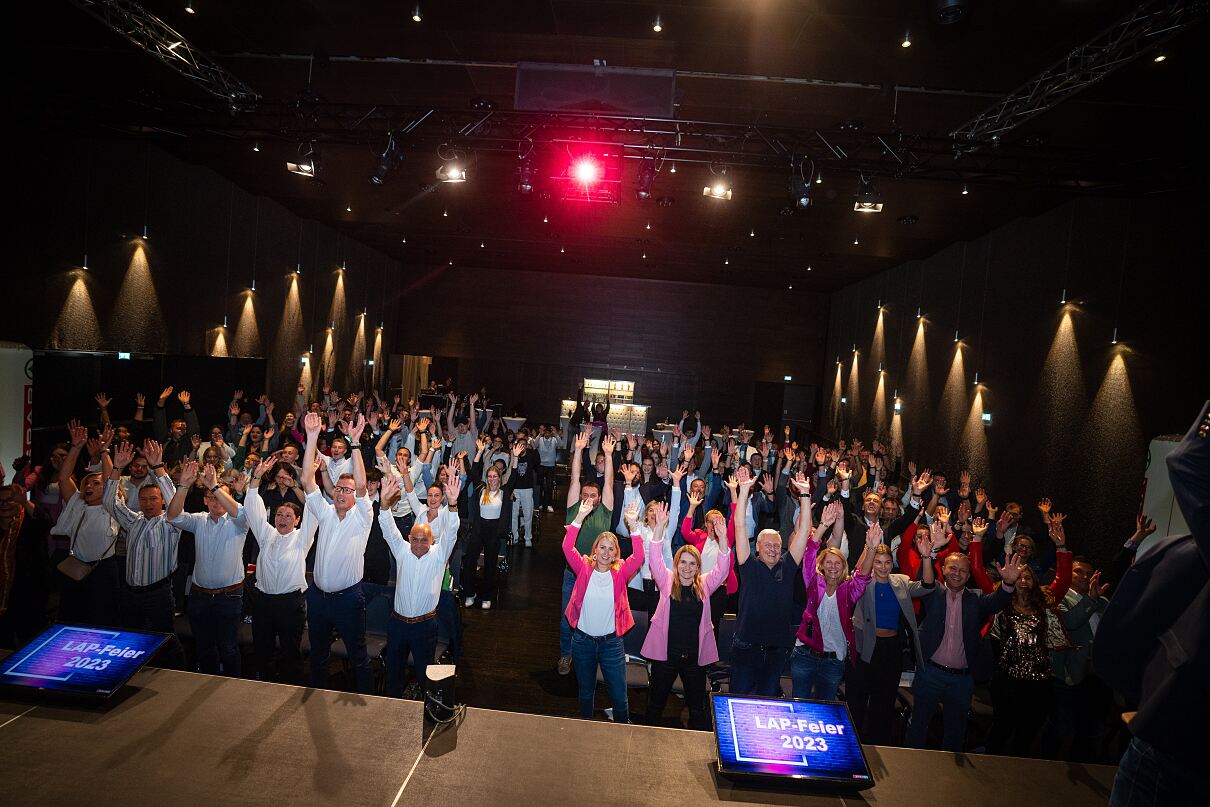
column 632, row 516
column 842, row 471
column 1143, row 527
column 123, row 455
column 980, row 495
column 1044, row 506
column 582, row 441
column 481, row 442
column 964, row 512
column 233, row 409
column 388, row 491
column 873, row 536
column 607, row 444
column 453, row 486
column 79, row 434
column 831, row 514
column 766, row 483
column 920, row 483
column 1095, row 589
column 833, row 487
column 188, row 473
column 209, row 476
column 942, row 514
column 139, row 399
column 924, row 543
column 978, row 528
column 153, row 451
column 680, row 472
column 102, row 400
column 422, row 425
column 165, row 395
column 911, row 467
column 196, row 441
column 1057, row 533
column 582, row 513
column 801, row 483
column 1011, row 571
column 184, row 397
column 518, row 448
column 238, row 395
column 661, row 515
column 964, row 483
column 629, row 472
column 313, row 424
column 265, row 465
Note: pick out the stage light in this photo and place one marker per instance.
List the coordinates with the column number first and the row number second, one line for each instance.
column 343, row 265
column 175, row 45
column 145, row 236
column 256, row 147
column 856, row 242
column 976, row 378
column 790, row 288
column 308, row 164
column 965, row 190
column 819, row 178
column 84, row 265
column 1114, row 340
column 720, row 188
column 445, row 214
column 866, row 199
column 348, row 208
column 808, row 267
column 907, row 40
column 1063, row 297
column 189, row 7
column 586, row 170
column 403, row 240
column 918, row 314
column 955, row 336
column 657, row 27
column 303, row 360
column 648, row 227
column 799, row 188
column 646, row 181
column 298, row 268
column 898, row 406
column 388, row 161
column 370, row 362
column 1160, row 56
column 562, row 251
column 451, row 172
column 525, row 175
column 482, row 244
column 416, row 14
column 546, row 220
column 644, row 256
column 672, row 168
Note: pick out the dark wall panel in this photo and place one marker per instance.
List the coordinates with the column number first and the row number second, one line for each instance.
column 1071, row 413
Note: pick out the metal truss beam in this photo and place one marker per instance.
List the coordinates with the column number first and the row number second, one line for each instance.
column 1149, row 25
column 135, row 23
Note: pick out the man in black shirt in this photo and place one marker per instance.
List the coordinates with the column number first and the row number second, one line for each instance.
column 764, row 634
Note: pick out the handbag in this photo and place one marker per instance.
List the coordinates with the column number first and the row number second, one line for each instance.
column 74, row 568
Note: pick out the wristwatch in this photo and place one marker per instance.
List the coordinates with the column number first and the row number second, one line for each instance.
column 212, row 489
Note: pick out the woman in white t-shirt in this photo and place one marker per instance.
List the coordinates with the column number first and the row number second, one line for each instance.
column 490, row 504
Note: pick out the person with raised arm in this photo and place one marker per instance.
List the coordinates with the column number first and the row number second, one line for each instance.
column 216, row 597
column 883, row 614
column 279, row 610
column 490, row 511
column 597, row 520
column 765, row 627
column 335, row 598
column 598, row 611
column 954, row 652
column 642, row 588
column 824, row 642
column 175, row 435
column 421, row 562
column 151, row 545
column 93, row 535
column 681, row 639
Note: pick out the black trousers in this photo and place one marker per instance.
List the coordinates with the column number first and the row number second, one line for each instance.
column 486, row 534
column 718, row 606
column 153, row 608
column 693, row 678
column 278, row 619
column 872, row 688
column 95, row 600
column 546, row 486
column 1019, row 708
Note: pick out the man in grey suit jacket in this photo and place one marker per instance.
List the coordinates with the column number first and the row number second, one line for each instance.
column 1080, row 698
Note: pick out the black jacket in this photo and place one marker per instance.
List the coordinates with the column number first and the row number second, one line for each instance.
column 976, row 608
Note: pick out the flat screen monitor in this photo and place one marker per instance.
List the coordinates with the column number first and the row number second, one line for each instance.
column 804, row 743
column 80, row 661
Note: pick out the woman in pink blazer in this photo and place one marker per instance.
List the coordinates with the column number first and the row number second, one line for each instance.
column 681, row 638
column 599, row 612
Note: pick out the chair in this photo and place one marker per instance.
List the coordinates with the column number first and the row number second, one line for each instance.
column 638, row 676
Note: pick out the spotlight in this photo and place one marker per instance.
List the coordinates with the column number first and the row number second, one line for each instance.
column 1114, row 340
column 451, row 172
column 657, row 27
column 819, row 178
column 799, row 188
column 308, row 164
column 955, row 336
column 298, row 268
column 856, row 242
column 808, row 267
column 752, row 233
column 416, row 14
column 586, row 170
column 256, row 147
column 189, row 7
column 525, row 175
column 445, row 214
column 303, row 360
column 562, row 250
column 145, row 236
column 348, row 208
column 648, row 225
column 482, row 244
column 646, row 180
column 907, row 40
column 672, row 168
column 726, row 261
column 1160, row 56
column 976, row 378
column 918, row 314
column 389, row 160
column 721, row 188
column 965, row 190
column 84, row 265
column 867, row 199
column 1063, row 297
column 898, row 406
column 370, row 362
column 546, row 219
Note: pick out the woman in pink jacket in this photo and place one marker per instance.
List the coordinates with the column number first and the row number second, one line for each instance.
column 825, row 637
column 681, row 639
column 599, row 612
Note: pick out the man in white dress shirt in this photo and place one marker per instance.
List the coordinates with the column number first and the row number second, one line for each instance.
column 279, row 610
column 421, row 568
column 335, row 598
column 215, row 600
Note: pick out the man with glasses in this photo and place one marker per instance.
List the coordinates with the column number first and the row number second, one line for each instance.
column 336, row 599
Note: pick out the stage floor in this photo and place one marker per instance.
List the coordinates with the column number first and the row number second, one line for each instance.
column 176, row 738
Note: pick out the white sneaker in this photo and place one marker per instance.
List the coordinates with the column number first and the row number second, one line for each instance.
column 486, row 605
column 468, row 602
column 550, row 509
column 529, row 544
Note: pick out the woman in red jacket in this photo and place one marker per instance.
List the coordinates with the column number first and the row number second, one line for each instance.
column 599, row 612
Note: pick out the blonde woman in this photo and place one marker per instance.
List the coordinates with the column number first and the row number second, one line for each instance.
column 598, row 611
column 825, row 637
column 681, row 640
column 491, row 507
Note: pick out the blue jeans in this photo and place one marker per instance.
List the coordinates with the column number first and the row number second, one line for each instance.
column 757, row 669
column 814, row 677
column 1149, row 777
column 569, row 583
column 214, row 619
column 419, row 639
column 934, row 687
column 344, row 610
column 589, row 652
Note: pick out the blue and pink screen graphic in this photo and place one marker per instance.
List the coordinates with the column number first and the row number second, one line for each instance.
column 86, row 661
column 787, row 738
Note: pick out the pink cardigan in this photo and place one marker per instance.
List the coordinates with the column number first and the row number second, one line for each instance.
column 847, row 595
column 583, row 568
column 655, row 647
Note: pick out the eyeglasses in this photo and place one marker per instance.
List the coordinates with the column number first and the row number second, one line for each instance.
column 343, row 489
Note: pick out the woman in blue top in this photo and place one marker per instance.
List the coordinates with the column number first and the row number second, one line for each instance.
column 884, row 620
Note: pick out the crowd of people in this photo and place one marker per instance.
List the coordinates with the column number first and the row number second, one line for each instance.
column 850, row 572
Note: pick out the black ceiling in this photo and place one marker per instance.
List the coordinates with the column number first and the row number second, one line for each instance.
column 850, row 83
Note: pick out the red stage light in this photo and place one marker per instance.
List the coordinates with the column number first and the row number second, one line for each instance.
column 586, row 171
